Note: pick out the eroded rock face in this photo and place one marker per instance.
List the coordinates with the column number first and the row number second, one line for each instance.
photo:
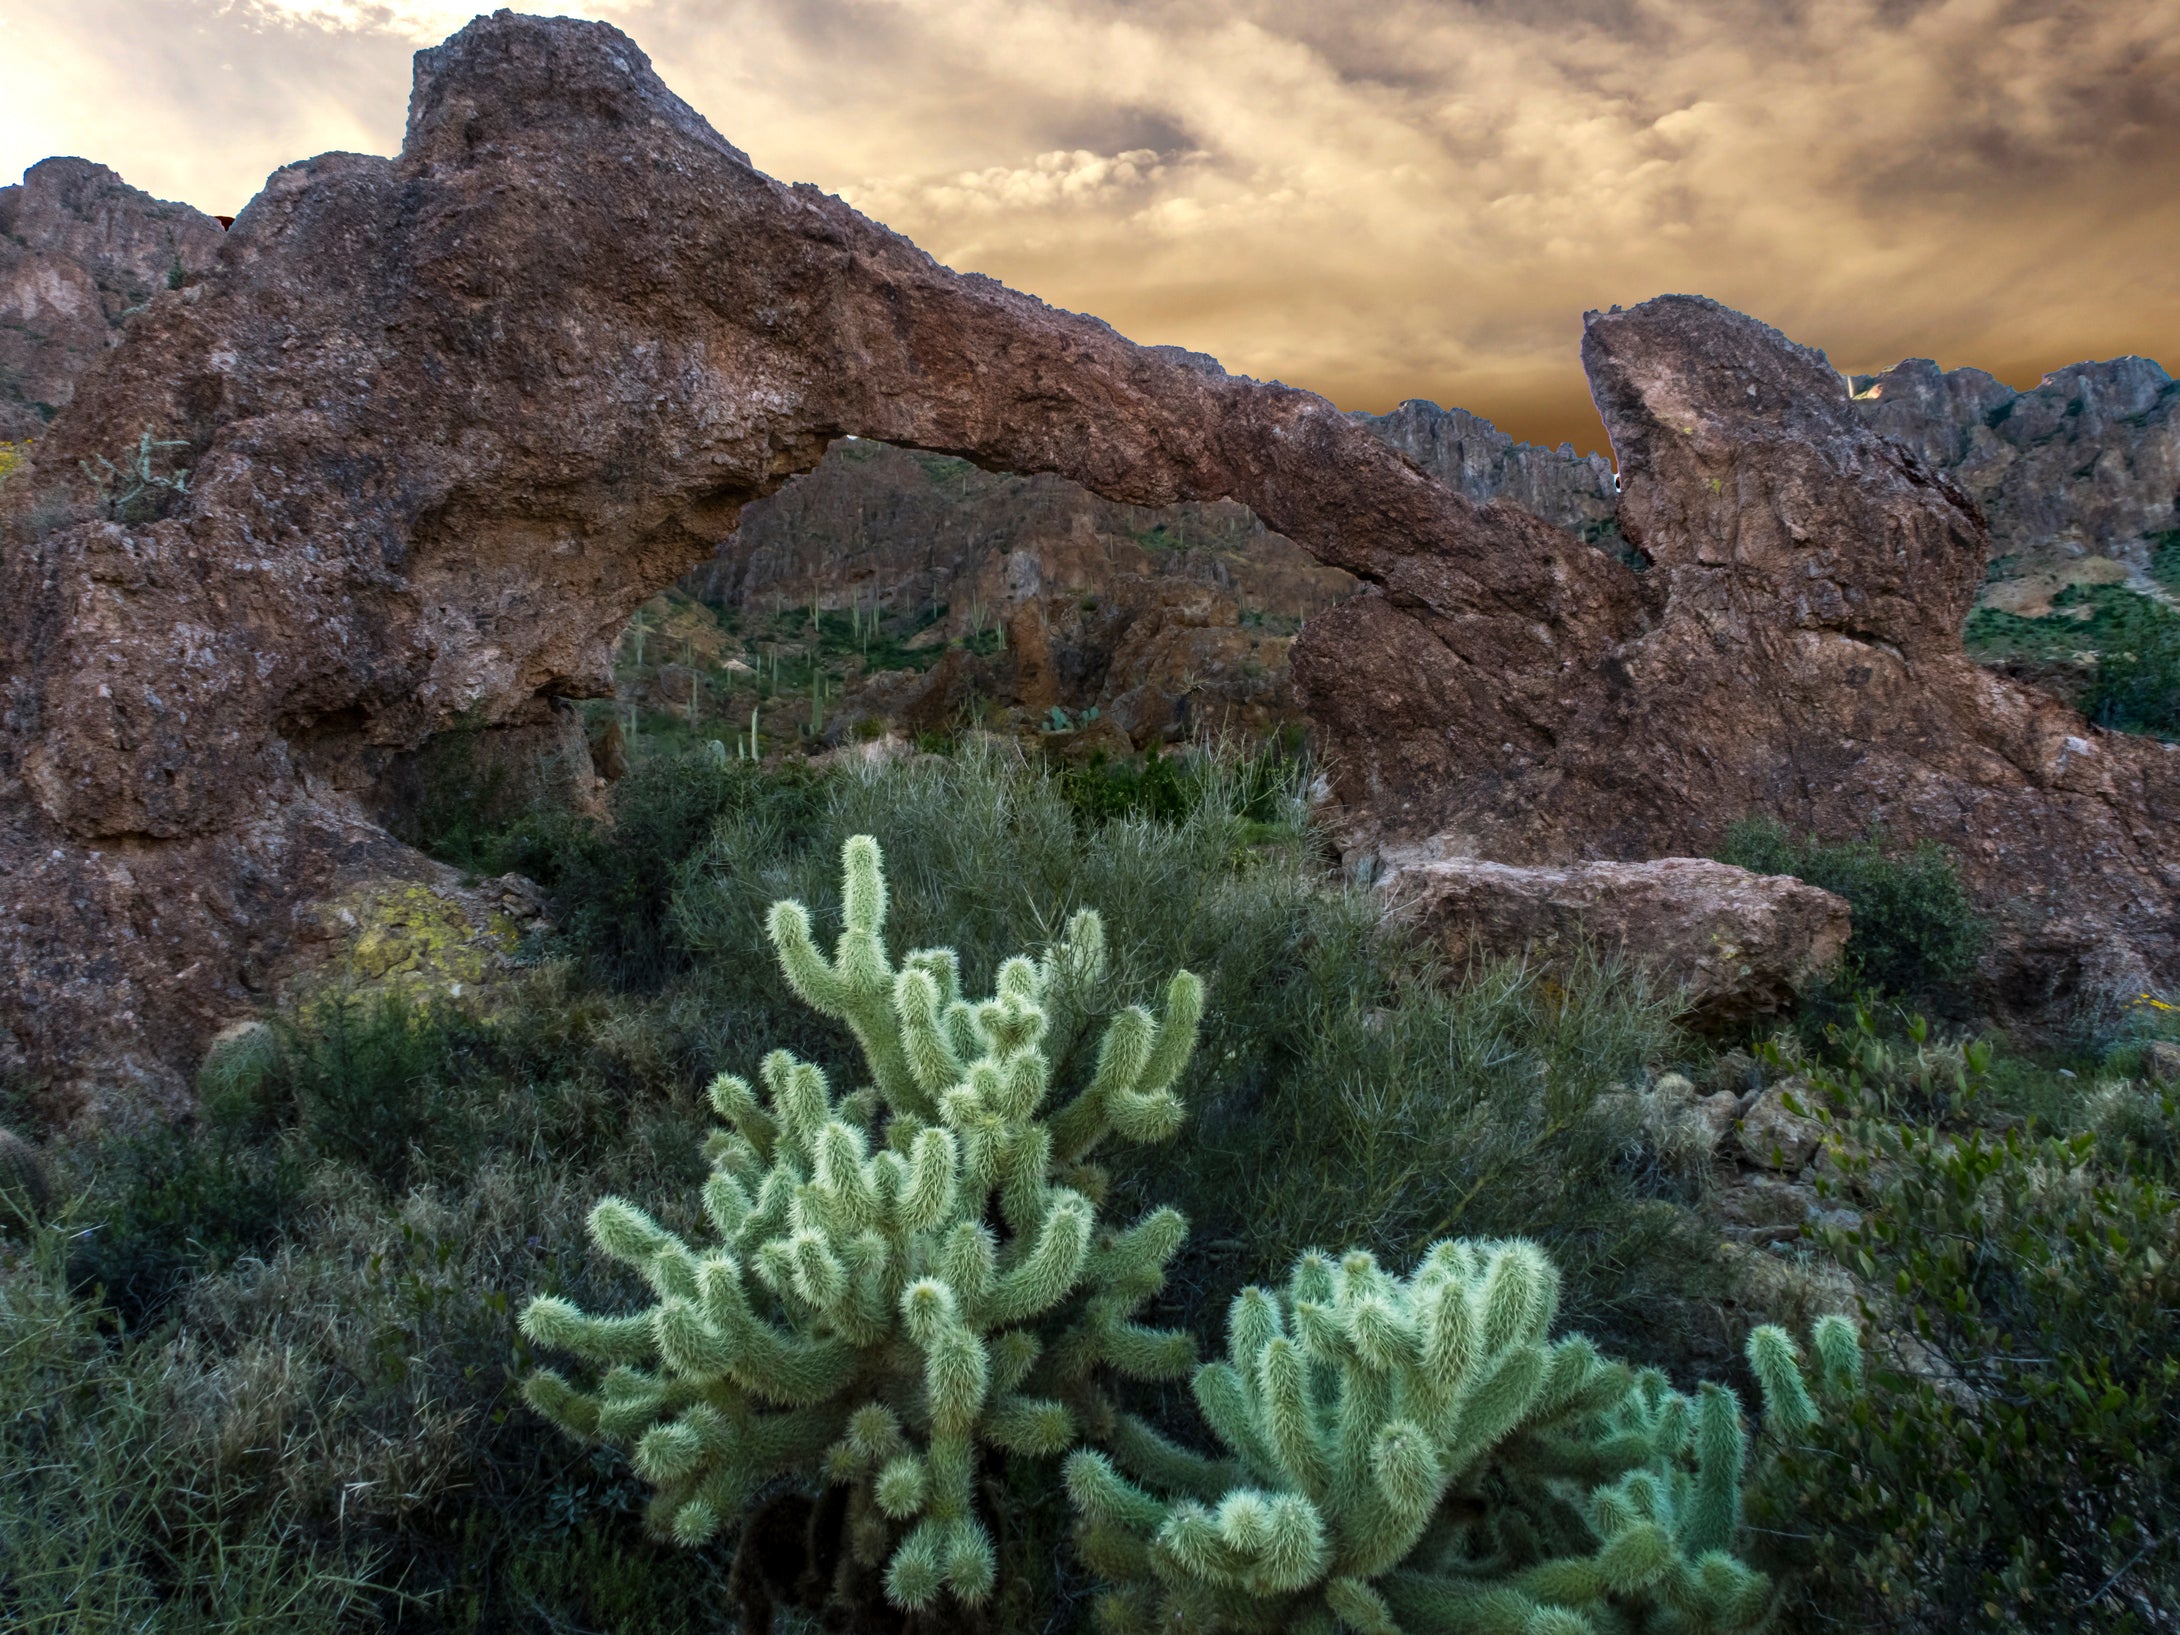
column 80, row 250
column 1738, row 945
column 2085, row 463
column 448, row 418
column 1793, row 649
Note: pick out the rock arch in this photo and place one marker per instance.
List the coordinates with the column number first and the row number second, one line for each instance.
column 448, row 418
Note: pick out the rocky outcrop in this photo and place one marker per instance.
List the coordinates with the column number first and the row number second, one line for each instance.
column 1473, row 457
column 1793, row 648
column 80, row 251
column 2085, row 463
column 448, row 419
column 1736, row 945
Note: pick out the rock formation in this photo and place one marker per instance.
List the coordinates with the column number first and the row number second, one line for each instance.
column 1794, row 648
column 435, row 425
column 447, row 419
column 80, row 250
column 1163, row 619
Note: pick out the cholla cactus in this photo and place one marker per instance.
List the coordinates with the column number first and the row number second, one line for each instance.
column 903, row 1276
column 1417, row 1455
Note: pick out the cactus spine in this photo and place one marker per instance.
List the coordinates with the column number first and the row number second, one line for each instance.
column 1417, row 1455
column 903, row 1276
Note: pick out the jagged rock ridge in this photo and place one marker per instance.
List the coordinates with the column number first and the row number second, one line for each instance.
column 2086, row 462
column 1473, row 457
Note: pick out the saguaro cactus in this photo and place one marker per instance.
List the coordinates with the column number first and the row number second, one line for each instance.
column 1417, row 1455
column 903, row 1276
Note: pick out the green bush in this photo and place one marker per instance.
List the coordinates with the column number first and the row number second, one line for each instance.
column 1915, row 928
column 107, row 1525
column 167, row 1204
column 2012, row 1464
column 340, row 1367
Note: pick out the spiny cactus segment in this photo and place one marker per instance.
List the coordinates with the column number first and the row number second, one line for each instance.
column 903, row 1277
column 1417, row 1455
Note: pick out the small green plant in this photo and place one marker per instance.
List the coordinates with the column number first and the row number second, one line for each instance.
column 1417, row 1454
column 143, row 485
column 907, row 1280
column 1914, row 926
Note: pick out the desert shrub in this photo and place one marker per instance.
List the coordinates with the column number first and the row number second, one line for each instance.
column 1915, row 928
column 1257, row 785
column 164, row 1204
column 614, row 885
column 1342, row 1093
column 106, row 1526
column 2011, row 1464
column 347, row 1382
column 2137, row 683
column 371, row 1077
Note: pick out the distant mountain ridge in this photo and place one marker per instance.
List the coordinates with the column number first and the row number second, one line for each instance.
column 2087, row 462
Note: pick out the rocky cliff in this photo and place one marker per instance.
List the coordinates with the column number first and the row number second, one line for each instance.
column 1473, row 457
column 1165, row 620
column 80, row 251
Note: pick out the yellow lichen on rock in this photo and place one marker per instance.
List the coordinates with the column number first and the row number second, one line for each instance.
column 428, row 942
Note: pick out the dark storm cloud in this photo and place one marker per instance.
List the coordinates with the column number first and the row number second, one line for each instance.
column 1404, row 197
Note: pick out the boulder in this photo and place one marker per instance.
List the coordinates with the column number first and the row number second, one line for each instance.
column 1784, row 640
column 1776, row 1137
column 1736, row 944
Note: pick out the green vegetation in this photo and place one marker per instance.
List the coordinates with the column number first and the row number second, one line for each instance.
column 2012, row 1463
column 1418, row 1454
column 2128, row 645
column 269, row 1366
column 1914, row 928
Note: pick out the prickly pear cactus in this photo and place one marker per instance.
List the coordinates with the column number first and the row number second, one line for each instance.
column 900, row 1279
column 1417, row 1455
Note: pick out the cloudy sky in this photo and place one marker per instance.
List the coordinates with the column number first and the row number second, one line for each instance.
column 1398, row 198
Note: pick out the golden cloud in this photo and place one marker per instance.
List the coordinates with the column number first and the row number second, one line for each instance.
column 1405, row 198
